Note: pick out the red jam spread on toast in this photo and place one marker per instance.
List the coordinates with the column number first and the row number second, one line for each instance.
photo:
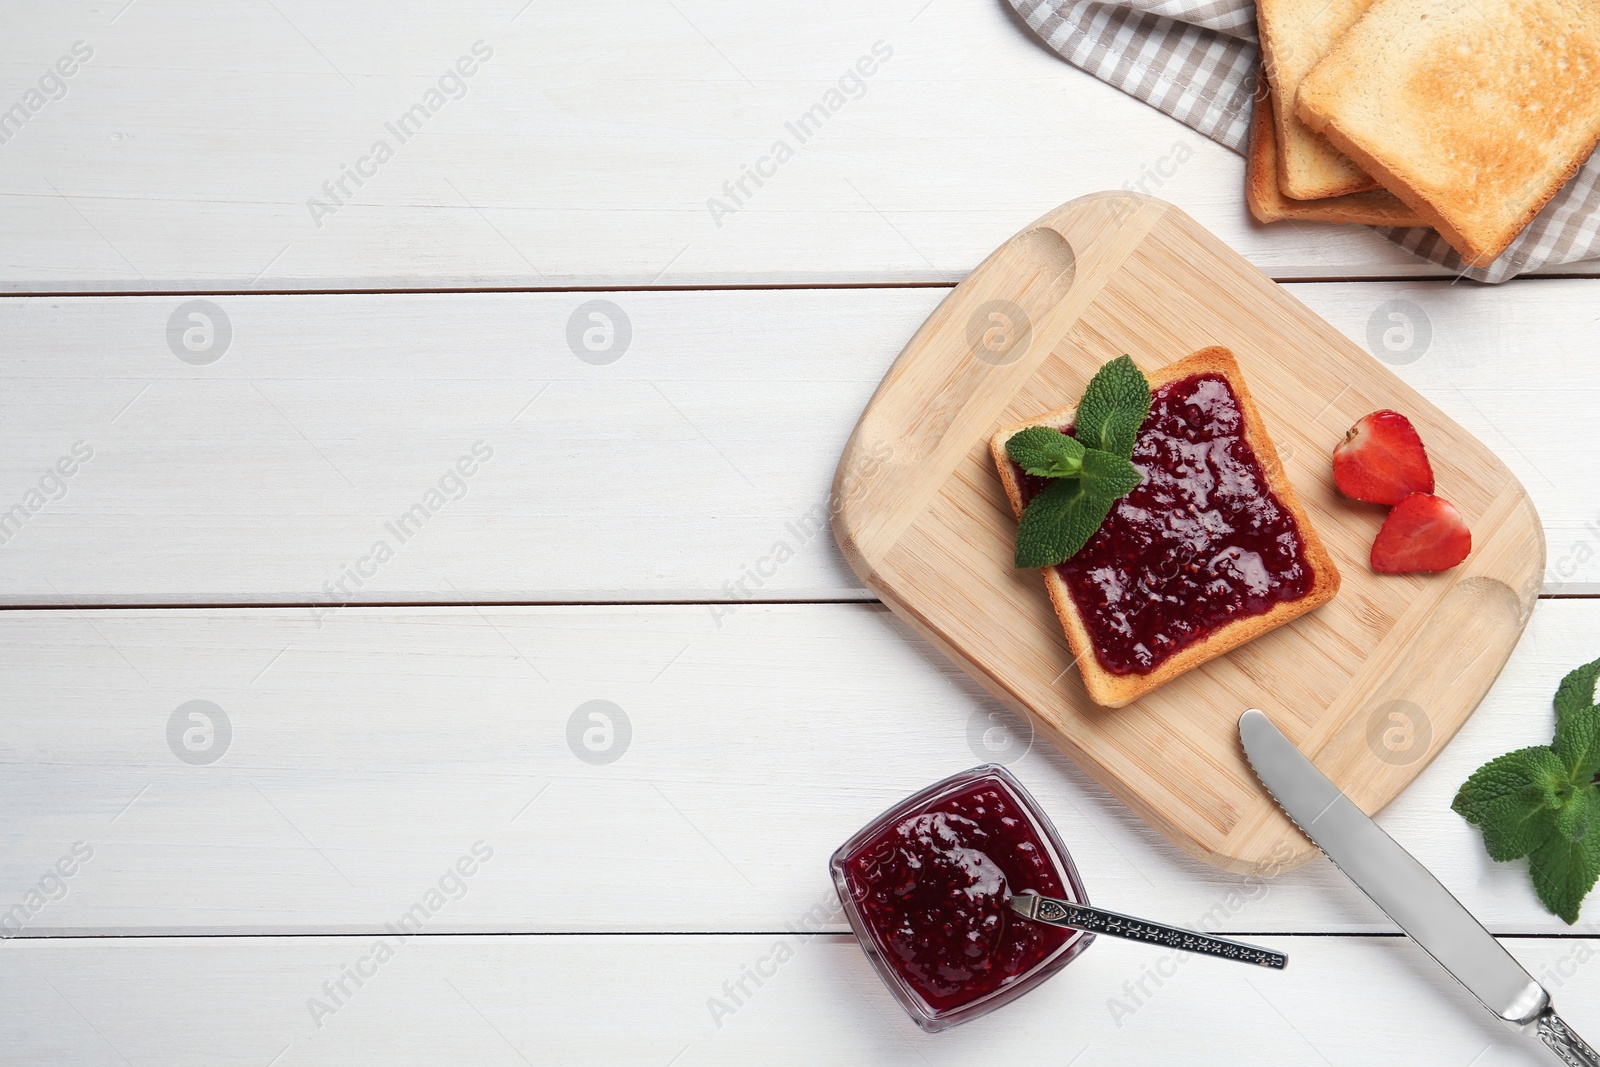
column 1203, row 542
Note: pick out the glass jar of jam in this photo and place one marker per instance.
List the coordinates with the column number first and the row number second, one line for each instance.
column 927, row 887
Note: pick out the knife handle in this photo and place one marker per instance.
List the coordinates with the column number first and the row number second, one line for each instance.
column 1560, row 1038
column 1095, row 920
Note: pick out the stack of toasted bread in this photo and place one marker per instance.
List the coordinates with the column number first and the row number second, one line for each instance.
column 1463, row 115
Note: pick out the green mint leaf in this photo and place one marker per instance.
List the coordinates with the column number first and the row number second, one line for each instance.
column 1578, row 744
column 1567, row 865
column 1114, row 406
column 1109, row 476
column 1513, row 827
column 1058, row 522
column 1543, row 802
column 1046, row 452
column 1510, row 799
column 1501, row 777
column 1548, row 774
column 1090, row 469
column 1065, row 514
column 1574, row 815
column 1576, row 693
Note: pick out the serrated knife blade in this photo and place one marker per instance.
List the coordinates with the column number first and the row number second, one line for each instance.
column 1404, row 888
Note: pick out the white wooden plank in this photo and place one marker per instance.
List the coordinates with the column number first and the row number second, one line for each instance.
column 362, row 759
column 669, row 474
column 664, row 474
column 585, row 149
column 648, row 1001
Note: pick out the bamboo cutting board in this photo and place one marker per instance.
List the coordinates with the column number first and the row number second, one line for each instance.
column 1371, row 685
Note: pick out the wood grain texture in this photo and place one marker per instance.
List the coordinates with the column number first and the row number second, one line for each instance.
column 226, row 483
column 510, row 1001
column 186, row 152
column 367, row 755
column 921, row 516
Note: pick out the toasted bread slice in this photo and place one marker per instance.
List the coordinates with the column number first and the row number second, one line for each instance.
column 1117, row 690
column 1374, row 207
column 1295, row 34
column 1474, row 112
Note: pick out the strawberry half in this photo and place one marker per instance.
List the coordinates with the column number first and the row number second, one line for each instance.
column 1423, row 533
column 1381, row 460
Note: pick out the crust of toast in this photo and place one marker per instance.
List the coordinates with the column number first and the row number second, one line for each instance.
column 1118, row 690
column 1295, row 34
column 1374, row 207
column 1483, row 113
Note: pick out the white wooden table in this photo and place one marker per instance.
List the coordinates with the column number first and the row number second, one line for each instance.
column 255, row 379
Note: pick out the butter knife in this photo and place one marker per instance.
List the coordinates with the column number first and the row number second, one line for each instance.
column 1405, row 889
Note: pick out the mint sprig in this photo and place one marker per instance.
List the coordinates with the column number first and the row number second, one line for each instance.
column 1046, row 452
column 1113, row 407
column 1543, row 802
column 1089, row 471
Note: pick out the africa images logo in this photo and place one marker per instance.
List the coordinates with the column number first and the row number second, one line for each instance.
column 51, row 86
column 451, row 85
column 851, row 85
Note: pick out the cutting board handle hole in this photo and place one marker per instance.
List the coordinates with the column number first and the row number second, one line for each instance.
column 1054, row 256
column 1002, row 330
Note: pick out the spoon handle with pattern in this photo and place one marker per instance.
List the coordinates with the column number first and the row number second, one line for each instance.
column 1095, row 920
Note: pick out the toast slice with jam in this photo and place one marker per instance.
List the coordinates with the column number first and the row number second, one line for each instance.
column 1213, row 549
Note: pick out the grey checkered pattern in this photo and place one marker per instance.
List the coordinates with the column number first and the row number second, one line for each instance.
column 1196, row 61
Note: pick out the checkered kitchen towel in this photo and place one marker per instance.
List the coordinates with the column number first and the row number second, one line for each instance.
column 1196, row 61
